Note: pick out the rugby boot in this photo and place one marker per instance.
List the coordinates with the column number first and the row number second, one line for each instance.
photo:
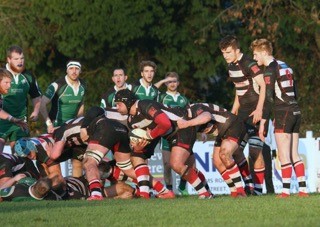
column 166, row 195
column 183, row 191
column 206, row 195
column 283, row 195
column 303, row 194
column 95, row 197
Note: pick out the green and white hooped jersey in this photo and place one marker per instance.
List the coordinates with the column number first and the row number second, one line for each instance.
column 65, row 100
column 142, row 92
column 16, row 101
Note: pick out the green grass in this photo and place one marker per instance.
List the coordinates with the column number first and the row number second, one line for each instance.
column 182, row 211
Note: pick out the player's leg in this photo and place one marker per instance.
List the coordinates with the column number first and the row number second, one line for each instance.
column 142, row 172
column 228, row 147
column 244, row 169
column 223, row 170
column 298, row 166
column 178, row 159
column 255, row 152
column 123, row 161
column 283, row 141
column 266, row 152
column 93, row 156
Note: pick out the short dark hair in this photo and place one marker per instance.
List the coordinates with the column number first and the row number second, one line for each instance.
column 148, row 63
column 229, row 40
column 124, row 71
column 14, row 49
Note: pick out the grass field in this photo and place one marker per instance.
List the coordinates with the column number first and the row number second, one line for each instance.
column 183, row 211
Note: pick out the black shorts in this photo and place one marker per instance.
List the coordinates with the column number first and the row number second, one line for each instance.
column 74, row 152
column 113, row 136
column 287, row 121
column 235, row 132
column 184, row 138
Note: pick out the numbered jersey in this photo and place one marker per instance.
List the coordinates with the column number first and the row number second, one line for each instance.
column 281, row 86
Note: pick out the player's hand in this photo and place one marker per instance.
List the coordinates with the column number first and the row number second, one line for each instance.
column 182, row 124
column 204, row 137
column 84, row 134
column 50, row 129
column 19, row 177
column 34, row 116
column 257, row 115
column 20, row 122
column 139, row 146
column 262, row 132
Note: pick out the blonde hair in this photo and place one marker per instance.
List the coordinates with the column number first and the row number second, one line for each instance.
column 4, row 74
column 172, row 74
column 262, row 45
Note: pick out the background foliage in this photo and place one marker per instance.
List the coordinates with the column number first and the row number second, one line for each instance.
column 179, row 35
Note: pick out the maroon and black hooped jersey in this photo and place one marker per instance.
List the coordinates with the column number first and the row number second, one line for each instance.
column 221, row 118
column 70, row 132
column 281, row 90
column 161, row 120
column 241, row 73
column 11, row 165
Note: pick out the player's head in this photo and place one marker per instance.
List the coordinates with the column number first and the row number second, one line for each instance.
column 119, row 77
column 23, row 147
column 173, row 84
column 126, row 97
column 73, row 69
column 5, row 81
column 230, row 48
column 15, row 59
column 262, row 51
column 105, row 169
column 148, row 70
column 229, row 41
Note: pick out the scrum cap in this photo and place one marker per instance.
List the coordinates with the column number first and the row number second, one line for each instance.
column 127, row 97
column 23, row 147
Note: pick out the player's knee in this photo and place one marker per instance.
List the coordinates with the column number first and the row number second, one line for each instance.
column 125, row 165
column 255, row 142
column 92, row 156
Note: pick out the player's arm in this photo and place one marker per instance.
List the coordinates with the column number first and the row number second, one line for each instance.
column 81, row 111
column 163, row 124
column 36, row 108
column 257, row 113
column 163, row 81
column 236, row 105
column 20, row 122
column 202, row 118
column 57, row 149
column 43, row 110
column 35, row 95
column 9, row 181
